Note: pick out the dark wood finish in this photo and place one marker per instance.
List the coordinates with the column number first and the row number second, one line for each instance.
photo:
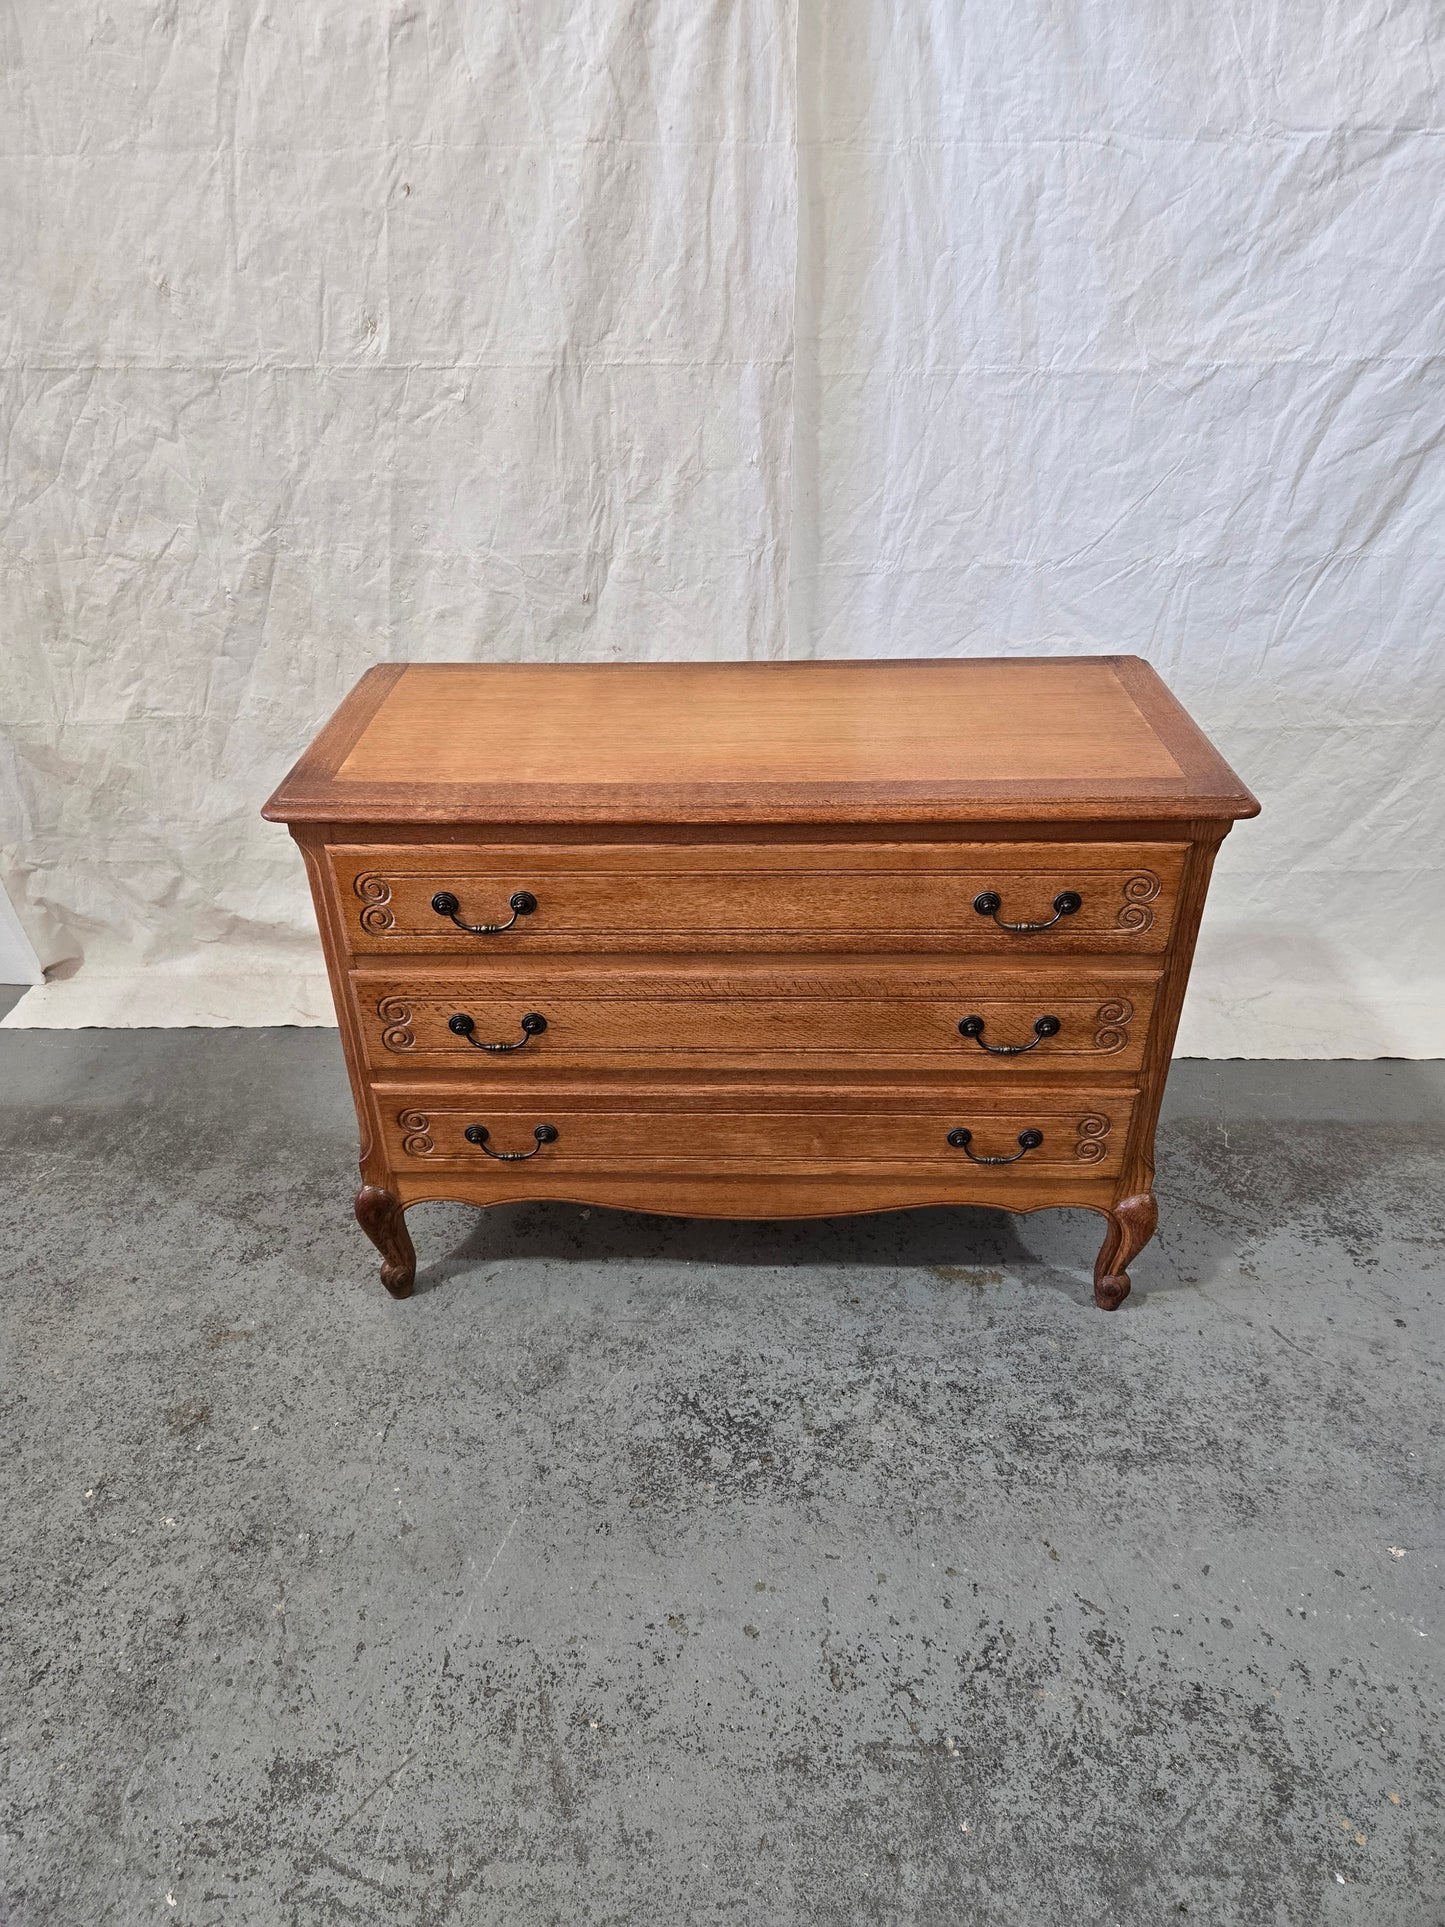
column 755, row 933
column 1131, row 1225
column 382, row 1216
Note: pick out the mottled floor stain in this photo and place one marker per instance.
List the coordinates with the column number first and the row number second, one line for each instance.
column 967, row 1274
column 640, row 1570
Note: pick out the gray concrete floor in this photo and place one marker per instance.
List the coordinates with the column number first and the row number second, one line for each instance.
column 650, row 1571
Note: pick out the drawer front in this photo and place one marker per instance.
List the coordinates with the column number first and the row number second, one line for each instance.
column 974, row 1022
column 1016, row 899
column 560, row 1134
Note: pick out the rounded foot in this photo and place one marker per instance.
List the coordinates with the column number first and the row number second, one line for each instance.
column 1111, row 1291
column 400, row 1280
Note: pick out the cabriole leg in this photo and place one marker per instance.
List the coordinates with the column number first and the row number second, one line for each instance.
column 382, row 1216
column 1131, row 1226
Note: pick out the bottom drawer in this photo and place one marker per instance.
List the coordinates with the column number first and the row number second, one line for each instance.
column 561, row 1133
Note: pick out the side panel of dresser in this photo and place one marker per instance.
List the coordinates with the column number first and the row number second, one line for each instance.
column 379, row 1211
column 313, row 839
column 1134, row 1213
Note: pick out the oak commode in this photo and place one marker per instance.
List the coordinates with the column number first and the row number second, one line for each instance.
column 757, row 940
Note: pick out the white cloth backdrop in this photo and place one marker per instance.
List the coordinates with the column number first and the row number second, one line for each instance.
column 594, row 329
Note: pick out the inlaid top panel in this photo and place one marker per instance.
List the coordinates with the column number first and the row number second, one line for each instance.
column 1020, row 737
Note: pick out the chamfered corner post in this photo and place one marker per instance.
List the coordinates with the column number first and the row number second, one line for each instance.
column 382, row 1216
column 1131, row 1225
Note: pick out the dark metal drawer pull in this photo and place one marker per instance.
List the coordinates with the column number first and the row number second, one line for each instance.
column 478, row 1134
column 533, row 1024
column 988, row 903
column 973, row 1027
column 522, row 904
column 961, row 1139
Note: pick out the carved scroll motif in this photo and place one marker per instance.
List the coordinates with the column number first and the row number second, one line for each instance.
column 1139, row 892
column 417, row 1125
column 1089, row 1146
column 1113, row 1020
column 375, row 893
column 396, row 1016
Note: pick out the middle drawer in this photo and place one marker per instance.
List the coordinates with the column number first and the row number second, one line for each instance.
column 932, row 1014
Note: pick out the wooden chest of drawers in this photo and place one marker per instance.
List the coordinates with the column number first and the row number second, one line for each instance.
column 761, row 939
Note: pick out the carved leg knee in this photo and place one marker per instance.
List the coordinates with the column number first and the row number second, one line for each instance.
column 1131, row 1226
column 382, row 1217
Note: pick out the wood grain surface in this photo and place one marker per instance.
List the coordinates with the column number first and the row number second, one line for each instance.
column 761, row 896
column 837, row 1014
column 906, row 1132
column 753, row 934
column 1014, row 738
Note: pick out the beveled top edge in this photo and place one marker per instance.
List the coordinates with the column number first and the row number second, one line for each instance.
column 1206, row 788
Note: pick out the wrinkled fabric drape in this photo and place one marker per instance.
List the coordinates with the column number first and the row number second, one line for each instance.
column 594, row 329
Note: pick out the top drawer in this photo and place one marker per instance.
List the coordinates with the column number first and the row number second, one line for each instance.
column 1026, row 899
